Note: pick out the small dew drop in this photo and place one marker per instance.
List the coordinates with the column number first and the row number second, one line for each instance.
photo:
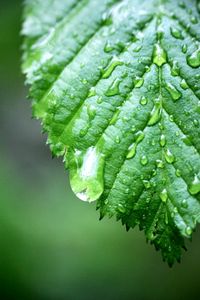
column 133, row 129
column 155, row 114
column 91, row 110
column 175, row 210
column 84, row 81
column 169, row 156
column 176, row 33
column 184, row 203
column 121, row 208
column 108, row 71
column 117, row 139
column 137, row 49
column 108, row 47
column 188, row 230
column 159, row 55
column 193, row 60
column 184, row 84
column 83, row 132
column 182, row 4
column 144, row 160
column 175, row 94
column 92, row 92
column 100, row 100
column 175, row 71
column 159, row 163
column 195, row 186
column 114, row 88
column 162, row 140
column 133, row 147
column 196, row 123
column 143, row 100
column 178, row 173
column 194, row 20
column 184, row 48
column 138, row 82
column 164, row 196
column 147, row 184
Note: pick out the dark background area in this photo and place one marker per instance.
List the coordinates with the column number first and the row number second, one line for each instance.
column 52, row 246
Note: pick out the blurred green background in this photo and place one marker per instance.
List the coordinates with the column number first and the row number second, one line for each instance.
column 52, row 245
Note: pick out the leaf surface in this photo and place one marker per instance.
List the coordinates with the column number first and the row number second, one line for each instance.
column 116, row 85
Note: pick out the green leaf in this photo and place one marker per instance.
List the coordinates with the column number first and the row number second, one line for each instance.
column 116, row 86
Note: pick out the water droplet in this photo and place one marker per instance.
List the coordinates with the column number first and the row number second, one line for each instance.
column 137, row 49
column 92, row 92
column 164, row 196
column 184, row 48
column 83, row 132
column 184, row 84
column 108, row 71
column 162, row 140
column 176, row 33
column 169, row 156
column 107, row 18
column 99, row 100
column 194, row 20
column 175, row 210
column 175, row 71
column 143, row 100
column 182, row 4
column 184, row 203
column 144, row 160
column 108, row 47
column 178, row 173
column 188, row 230
column 91, row 110
column 84, row 81
column 115, row 116
column 159, row 163
column 156, row 113
column 193, row 60
column 147, row 184
column 86, row 175
column 138, row 82
column 159, row 55
column 121, row 208
column 133, row 129
column 195, row 186
column 117, row 139
column 175, row 94
column 196, row 123
column 114, row 88
column 133, row 147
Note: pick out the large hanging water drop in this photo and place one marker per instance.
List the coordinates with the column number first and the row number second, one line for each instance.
column 86, row 175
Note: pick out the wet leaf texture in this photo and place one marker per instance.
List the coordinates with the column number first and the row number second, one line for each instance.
column 116, row 85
